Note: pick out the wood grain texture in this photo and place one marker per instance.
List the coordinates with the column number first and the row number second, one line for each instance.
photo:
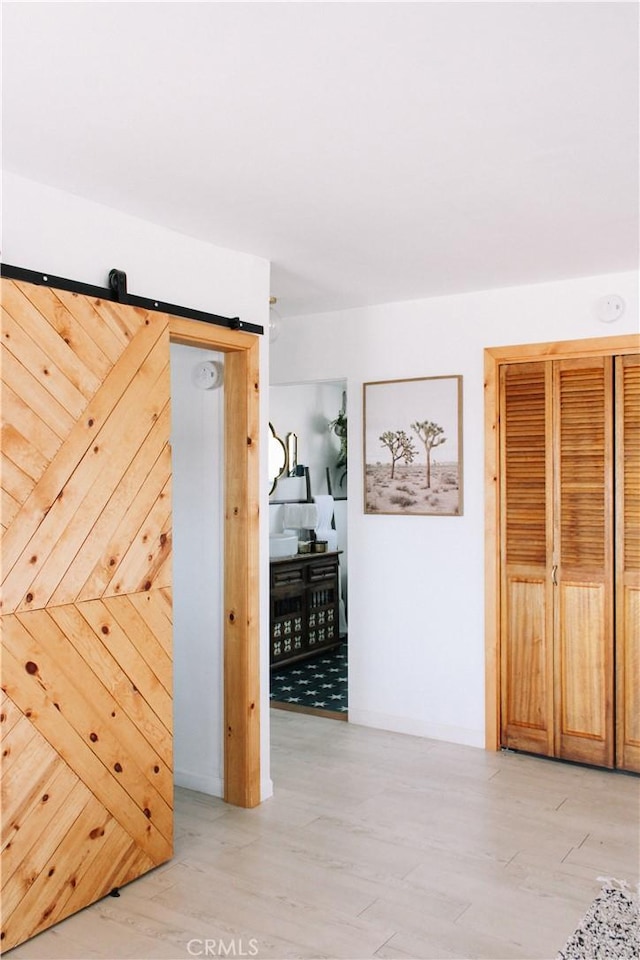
column 585, row 676
column 87, row 783
column 241, row 590
column 528, row 676
column 582, row 442
column 53, row 504
column 527, row 708
column 628, row 562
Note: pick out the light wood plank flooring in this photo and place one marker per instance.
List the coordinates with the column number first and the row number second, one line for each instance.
column 374, row 845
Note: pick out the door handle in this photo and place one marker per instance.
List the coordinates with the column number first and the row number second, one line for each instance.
column 554, row 574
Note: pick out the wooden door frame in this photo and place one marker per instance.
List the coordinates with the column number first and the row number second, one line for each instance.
column 241, row 638
column 494, row 357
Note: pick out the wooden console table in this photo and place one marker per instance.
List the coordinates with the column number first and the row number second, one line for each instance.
column 305, row 597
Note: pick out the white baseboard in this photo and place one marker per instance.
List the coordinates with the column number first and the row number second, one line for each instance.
column 417, row 728
column 214, row 786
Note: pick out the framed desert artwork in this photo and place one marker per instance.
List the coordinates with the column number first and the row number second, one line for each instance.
column 413, row 446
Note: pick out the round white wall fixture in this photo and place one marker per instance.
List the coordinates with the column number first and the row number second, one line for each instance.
column 274, row 327
column 274, row 320
column 208, row 374
column 610, row 308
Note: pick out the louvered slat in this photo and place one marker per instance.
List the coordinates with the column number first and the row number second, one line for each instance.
column 582, row 467
column 631, row 462
column 524, row 472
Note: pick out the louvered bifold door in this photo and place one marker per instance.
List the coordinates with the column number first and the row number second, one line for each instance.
column 86, row 616
column 627, row 395
column 526, row 588
column 583, row 559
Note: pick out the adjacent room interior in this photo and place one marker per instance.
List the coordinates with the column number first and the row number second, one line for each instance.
column 308, row 578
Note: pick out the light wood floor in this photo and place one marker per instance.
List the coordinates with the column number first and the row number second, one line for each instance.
column 374, row 845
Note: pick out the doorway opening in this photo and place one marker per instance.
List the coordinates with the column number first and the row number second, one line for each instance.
column 309, row 583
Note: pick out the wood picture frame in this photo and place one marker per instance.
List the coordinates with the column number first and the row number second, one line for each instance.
column 404, row 423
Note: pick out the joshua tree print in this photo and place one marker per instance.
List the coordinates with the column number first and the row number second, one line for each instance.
column 400, row 446
column 411, row 477
column 431, row 435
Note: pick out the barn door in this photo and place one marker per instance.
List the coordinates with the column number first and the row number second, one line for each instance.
column 86, row 659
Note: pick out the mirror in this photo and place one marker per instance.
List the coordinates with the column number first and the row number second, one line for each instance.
column 277, row 458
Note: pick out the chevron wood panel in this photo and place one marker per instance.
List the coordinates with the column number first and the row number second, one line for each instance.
column 76, row 486
column 99, row 556
column 94, row 645
column 27, row 350
column 55, row 852
column 87, row 782
column 156, row 610
column 93, row 346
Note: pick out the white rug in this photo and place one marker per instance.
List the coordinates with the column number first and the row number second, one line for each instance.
column 610, row 929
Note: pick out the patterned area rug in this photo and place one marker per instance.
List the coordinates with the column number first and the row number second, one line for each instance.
column 610, row 929
column 320, row 683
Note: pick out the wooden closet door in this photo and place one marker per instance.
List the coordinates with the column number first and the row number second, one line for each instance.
column 526, row 589
column 628, row 562
column 87, row 785
column 583, row 559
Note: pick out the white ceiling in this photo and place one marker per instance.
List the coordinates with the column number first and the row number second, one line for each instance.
column 372, row 151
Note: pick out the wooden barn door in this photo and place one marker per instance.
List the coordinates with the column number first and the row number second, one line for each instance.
column 86, row 708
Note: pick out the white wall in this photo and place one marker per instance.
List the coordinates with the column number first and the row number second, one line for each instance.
column 197, row 439
column 49, row 230
column 307, row 409
column 416, row 584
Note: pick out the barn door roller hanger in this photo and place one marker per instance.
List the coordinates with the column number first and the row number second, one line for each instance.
column 117, row 292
